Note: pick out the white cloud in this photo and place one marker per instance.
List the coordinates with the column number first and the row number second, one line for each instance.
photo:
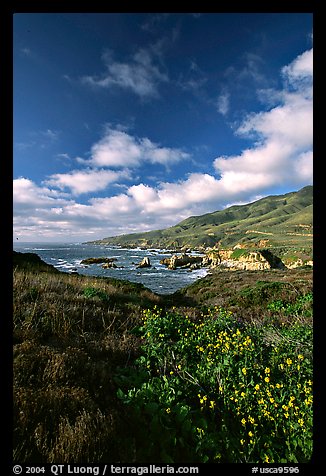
column 223, row 103
column 86, row 181
column 140, row 75
column 300, row 69
column 304, row 167
column 289, row 123
column 63, row 156
column 281, row 155
column 119, row 149
column 29, row 198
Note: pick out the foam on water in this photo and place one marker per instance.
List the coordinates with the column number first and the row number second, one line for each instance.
column 67, row 257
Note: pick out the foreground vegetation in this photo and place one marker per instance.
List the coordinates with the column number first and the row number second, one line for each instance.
column 107, row 371
column 214, row 389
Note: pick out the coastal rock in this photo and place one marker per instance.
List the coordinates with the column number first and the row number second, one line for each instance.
column 97, row 260
column 145, row 263
column 299, row 263
column 109, row 265
column 195, row 266
column 238, row 258
column 32, row 262
column 183, row 261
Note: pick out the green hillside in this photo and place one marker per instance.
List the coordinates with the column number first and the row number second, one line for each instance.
column 283, row 220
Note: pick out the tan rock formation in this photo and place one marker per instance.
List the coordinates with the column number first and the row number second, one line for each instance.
column 181, row 261
column 145, row 263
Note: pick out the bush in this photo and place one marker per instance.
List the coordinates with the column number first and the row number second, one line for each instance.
column 94, row 292
column 214, row 390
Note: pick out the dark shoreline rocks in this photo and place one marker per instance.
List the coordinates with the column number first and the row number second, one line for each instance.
column 98, row 260
column 109, row 265
column 32, row 262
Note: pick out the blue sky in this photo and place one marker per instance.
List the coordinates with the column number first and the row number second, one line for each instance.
column 134, row 121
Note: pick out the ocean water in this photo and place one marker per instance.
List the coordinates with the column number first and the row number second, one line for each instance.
column 68, row 256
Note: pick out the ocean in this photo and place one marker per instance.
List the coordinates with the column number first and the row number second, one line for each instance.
column 68, row 256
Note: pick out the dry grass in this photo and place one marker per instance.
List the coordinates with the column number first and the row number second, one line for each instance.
column 67, row 349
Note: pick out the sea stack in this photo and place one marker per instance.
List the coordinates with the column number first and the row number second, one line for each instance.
column 145, row 263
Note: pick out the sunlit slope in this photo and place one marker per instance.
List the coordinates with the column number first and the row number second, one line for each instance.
column 282, row 219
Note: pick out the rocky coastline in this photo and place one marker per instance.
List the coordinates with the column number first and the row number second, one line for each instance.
column 237, row 258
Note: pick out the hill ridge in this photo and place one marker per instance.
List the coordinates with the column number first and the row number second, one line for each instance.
column 286, row 220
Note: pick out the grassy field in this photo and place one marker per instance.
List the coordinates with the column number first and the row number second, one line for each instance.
column 107, row 371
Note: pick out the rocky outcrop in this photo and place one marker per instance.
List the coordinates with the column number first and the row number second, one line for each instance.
column 31, row 262
column 145, row 263
column 109, row 265
column 182, row 261
column 216, row 258
column 298, row 263
column 244, row 260
column 97, row 260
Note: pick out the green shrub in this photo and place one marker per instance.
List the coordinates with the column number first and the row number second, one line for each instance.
column 236, row 254
column 90, row 292
column 214, row 390
column 302, row 306
column 260, row 293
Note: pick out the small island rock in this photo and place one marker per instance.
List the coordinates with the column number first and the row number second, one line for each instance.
column 145, row 263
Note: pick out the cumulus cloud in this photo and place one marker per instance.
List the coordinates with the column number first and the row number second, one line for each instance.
column 141, row 75
column 119, row 149
column 300, row 69
column 27, row 195
column 86, row 181
column 37, row 210
column 281, row 154
column 282, row 151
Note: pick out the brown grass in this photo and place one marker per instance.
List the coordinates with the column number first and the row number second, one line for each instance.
column 67, row 350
